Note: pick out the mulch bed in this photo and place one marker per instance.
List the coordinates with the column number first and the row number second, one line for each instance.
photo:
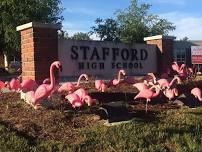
column 61, row 122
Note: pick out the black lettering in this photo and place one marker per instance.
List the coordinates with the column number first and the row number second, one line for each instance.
column 115, row 53
column 134, row 54
column 144, row 54
column 88, row 65
column 105, row 52
column 74, row 54
column 84, row 48
column 113, row 65
column 81, row 65
column 95, row 54
column 125, row 54
column 102, row 65
column 135, row 65
column 140, row 65
column 94, row 65
column 125, row 65
column 118, row 65
column 130, row 65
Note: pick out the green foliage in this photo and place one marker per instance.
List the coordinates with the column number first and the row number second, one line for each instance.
column 81, row 36
column 106, row 29
column 136, row 23
column 17, row 12
column 132, row 24
column 63, row 34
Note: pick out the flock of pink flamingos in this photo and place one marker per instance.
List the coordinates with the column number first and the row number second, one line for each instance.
column 34, row 94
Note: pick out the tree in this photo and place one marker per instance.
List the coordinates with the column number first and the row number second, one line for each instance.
column 132, row 24
column 17, row 12
column 184, row 39
column 106, row 29
column 63, row 34
column 81, row 36
column 135, row 23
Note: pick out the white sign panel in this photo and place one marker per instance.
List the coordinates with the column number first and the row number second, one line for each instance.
column 196, row 54
column 104, row 59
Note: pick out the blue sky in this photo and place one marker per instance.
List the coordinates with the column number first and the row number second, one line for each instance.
column 79, row 15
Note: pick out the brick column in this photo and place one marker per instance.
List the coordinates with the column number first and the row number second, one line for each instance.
column 164, row 50
column 39, row 48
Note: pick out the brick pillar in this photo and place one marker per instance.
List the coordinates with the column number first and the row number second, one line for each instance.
column 164, row 50
column 39, row 48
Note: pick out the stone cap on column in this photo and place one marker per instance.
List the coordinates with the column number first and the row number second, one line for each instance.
column 38, row 25
column 158, row 37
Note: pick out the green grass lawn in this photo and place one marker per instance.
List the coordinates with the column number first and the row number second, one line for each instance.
column 175, row 130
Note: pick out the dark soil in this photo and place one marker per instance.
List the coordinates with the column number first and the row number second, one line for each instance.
column 61, row 122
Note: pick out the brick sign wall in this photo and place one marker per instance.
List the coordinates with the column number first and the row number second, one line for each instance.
column 105, row 58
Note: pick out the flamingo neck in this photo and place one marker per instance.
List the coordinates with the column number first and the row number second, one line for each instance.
column 80, row 77
column 173, row 80
column 85, row 98
column 200, row 98
column 153, row 77
column 119, row 76
column 182, row 67
column 52, row 77
column 178, row 68
column 157, row 91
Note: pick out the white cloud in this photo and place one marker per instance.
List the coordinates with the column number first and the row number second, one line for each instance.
column 186, row 25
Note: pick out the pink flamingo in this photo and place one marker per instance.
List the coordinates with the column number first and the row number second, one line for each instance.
column 115, row 82
column 28, row 85
column 100, row 85
column 190, row 70
column 170, row 93
column 88, row 100
column 81, row 92
column 14, row 84
column 140, row 86
column 148, row 94
column 164, row 83
column 70, row 87
column 47, row 81
column 197, row 93
column 75, row 100
column 177, row 68
column 84, row 96
column 2, row 85
column 44, row 90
